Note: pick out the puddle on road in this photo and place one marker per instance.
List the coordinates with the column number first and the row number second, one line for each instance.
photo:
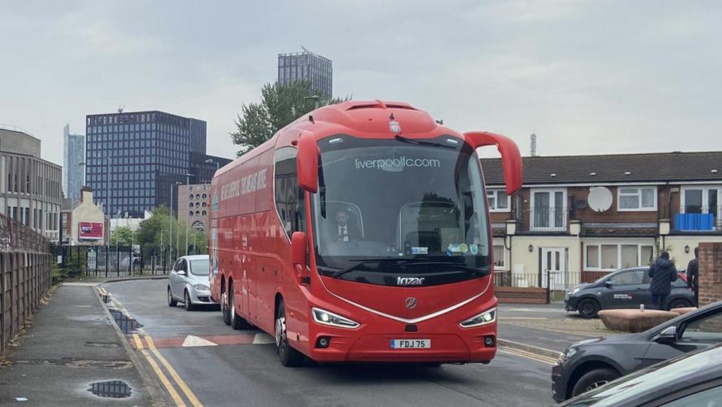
column 126, row 324
column 116, row 389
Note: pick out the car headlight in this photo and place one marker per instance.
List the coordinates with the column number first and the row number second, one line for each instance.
column 201, row 287
column 574, row 291
column 329, row 318
column 485, row 318
column 567, row 354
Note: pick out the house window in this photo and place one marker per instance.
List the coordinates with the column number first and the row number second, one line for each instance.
column 548, row 210
column 499, row 257
column 637, row 199
column 498, row 200
column 700, row 209
column 604, row 257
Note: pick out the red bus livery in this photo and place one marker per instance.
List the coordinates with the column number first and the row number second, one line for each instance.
column 360, row 233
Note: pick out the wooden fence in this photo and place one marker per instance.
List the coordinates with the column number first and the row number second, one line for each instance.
column 25, row 275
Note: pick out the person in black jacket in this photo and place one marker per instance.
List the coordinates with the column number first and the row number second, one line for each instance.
column 662, row 272
column 693, row 276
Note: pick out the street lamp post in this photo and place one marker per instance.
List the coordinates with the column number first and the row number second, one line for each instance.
column 72, row 210
column 188, row 183
column 107, row 210
column 162, row 254
column 210, row 160
column 170, row 232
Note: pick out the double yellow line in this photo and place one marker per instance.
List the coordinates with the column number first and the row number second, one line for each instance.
column 149, row 355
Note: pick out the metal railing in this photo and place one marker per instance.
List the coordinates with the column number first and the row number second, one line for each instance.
column 122, row 261
column 26, row 273
column 556, row 283
column 698, row 219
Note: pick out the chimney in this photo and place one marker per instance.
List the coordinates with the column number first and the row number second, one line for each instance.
column 533, row 145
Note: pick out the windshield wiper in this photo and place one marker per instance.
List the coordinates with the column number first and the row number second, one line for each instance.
column 421, row 142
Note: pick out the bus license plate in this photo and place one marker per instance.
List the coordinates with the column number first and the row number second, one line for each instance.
column 411, row 344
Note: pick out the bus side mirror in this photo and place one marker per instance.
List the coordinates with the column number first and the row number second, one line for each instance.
column 307, row 162
column 510, row 156
column 298, row 257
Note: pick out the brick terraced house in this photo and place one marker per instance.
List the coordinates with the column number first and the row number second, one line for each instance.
column 580, row 217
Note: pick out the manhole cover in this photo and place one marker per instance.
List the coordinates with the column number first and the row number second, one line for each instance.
column 115, row 389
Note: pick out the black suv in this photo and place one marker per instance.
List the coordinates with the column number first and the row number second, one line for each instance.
column 625, row 288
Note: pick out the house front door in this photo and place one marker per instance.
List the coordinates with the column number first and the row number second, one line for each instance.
column 554, row 267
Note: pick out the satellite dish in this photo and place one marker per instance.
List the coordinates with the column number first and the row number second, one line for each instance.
column 600, row 199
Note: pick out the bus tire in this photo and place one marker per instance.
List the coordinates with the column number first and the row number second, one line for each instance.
column 236, row 321
column 225, row 309
column 289, row 356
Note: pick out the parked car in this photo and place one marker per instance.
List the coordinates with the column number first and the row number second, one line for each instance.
column 188, row 282
column 624, row 288
column 691, row 380
column 591, row 363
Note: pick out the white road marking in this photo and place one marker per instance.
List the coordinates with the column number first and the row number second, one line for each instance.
column 196, row 341
column 263, row 339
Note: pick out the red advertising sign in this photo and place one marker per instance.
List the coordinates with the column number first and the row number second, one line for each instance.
column 90, row 231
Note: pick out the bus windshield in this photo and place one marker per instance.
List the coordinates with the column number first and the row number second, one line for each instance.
column 402, row 206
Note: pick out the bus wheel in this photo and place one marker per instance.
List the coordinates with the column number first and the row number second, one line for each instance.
column 224, row 309
column 236, row 321
column 289, row 357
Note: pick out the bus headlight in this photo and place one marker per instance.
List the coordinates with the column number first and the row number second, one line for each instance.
column 484, row 318
column 329, row 318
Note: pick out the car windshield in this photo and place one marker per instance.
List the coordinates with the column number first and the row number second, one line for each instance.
column 200, row 267
column 646, row 381
column 431, row 209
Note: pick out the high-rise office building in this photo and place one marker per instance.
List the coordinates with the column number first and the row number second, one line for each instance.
column 30, row 187
column 307, row 66
column 143, row 155
column 73, row 157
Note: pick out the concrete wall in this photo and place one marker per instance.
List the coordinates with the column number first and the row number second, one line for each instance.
column 19, row 143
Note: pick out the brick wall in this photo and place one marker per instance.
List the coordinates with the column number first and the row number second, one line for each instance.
column 521, row 295
column 710, row 273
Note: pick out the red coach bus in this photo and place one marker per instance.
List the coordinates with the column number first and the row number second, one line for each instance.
column 360, row 233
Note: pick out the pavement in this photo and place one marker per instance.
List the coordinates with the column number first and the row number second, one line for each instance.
column 73, row 353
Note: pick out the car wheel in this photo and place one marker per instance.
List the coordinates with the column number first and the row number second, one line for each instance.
column 592, row 380
column 289, row 357
column 171, row 301
column 236, row 321
column 187, row 302
column 679, row 303
column 225, row 309
column 588, row 308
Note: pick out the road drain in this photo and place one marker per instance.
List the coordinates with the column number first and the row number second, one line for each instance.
column 116, row 389
column 126, row 324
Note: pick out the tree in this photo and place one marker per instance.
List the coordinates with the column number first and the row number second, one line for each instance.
column 280, row 105
column 122, row 235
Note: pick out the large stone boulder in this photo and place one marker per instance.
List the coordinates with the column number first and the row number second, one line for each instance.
column 634, row 320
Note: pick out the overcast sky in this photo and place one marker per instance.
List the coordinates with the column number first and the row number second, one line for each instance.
column 588, row 77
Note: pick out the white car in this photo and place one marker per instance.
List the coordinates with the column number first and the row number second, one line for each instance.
column 188, row 282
